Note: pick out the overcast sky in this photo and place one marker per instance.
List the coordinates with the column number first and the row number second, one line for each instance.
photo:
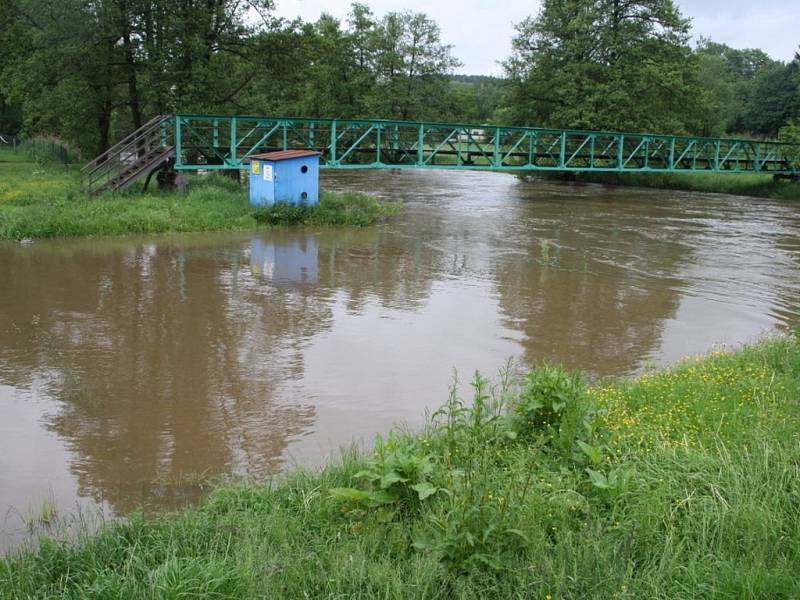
column 480, row 31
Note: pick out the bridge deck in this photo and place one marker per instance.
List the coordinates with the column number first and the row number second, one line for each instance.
column 226, row 142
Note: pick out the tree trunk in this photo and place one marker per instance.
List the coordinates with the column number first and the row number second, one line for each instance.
column 130, row 68
column 104, row 128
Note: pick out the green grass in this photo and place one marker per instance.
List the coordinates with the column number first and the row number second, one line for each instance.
column 741, row 184
column 7, row 155
column 47, row 201
column 683, row 483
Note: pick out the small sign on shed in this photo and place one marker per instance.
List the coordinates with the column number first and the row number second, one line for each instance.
column 290, row 176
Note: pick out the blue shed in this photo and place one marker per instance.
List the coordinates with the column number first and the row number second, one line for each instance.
column 287, row 176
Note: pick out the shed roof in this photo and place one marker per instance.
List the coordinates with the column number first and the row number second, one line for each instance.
column 285, row 154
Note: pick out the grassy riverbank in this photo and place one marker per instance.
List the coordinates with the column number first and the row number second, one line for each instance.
column 742, row 184
column 679, row 484
column 47, row 201
column 10, row 156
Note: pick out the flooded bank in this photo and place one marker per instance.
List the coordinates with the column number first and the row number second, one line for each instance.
column 134, row 370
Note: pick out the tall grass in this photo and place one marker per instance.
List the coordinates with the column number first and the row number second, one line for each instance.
column 46, row 202
column 13, row 155
column 680, row 484
column 47, row 149
column 742, row 184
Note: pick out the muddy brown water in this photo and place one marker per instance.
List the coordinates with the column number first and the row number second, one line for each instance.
column 134, row 370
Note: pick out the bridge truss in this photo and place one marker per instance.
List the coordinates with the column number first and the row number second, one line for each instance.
column 226, row 142
column 195, row 142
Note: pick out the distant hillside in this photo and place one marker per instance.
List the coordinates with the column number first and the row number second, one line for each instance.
column 477, row 97
column 476, row 78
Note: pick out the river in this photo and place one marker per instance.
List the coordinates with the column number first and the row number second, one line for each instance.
column 133, row 371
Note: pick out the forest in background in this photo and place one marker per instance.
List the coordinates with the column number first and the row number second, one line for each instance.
column 89, row 72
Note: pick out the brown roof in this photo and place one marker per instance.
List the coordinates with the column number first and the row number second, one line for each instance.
column 284, row 154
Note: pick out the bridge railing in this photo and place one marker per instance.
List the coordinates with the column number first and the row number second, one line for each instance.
column 226, row 142
column 123, row 160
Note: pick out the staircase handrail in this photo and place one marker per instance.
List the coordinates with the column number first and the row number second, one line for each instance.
column 96, row 171
column 124, row 144
column 157, row 120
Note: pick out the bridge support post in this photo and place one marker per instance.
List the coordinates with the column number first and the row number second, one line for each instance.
column 672, row 154
column 232, row 160
column 170, row 180
column 178, row 142
column 421, row 146
column 497, row 162
column 333, row 143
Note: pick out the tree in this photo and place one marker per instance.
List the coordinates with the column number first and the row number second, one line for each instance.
column 727, row 78
column 10, row 112
column 790, row 134
column 63, row 70
column 78, row 67
column 746, row 91
column 794, row 107
column 362, row 29
column 772, row 100
column 603, row 64
column 411, row 67
column 90, row 71
column 330, row 87
column 719, row 106
column 475, row 98
column 10, row 117
column 363, row 40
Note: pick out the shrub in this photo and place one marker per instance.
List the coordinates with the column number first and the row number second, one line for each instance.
column 554, row 406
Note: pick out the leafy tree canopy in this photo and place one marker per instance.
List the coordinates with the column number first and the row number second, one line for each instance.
column 91, row 71
column 604, row 64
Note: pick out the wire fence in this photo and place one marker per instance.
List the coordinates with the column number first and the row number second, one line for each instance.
column 9, row 142
column 36, row 149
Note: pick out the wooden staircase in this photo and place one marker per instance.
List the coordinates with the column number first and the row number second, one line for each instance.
column 138, row 155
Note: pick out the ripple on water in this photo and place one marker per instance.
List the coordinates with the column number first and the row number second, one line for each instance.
column 137, row 368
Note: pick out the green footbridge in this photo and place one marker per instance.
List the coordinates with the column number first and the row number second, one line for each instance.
column 216, row 142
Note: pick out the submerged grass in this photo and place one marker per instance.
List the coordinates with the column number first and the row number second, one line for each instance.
column 740, row 184
column 47, row 201
column 683, row 483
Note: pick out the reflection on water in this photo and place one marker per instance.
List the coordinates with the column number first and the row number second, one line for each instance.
column 286, row 263
column 132, row 370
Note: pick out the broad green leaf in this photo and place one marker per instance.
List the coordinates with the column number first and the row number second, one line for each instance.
column 594, row 453
column 598, row 479
column 421, row 545
column 349, row 494
column 379, row 497
column 424, row 490
column 385, row 514
column 518, row 533
column 390, row 479
column 368, row 475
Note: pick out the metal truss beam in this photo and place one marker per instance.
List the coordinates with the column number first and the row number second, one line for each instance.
column 381, row 144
